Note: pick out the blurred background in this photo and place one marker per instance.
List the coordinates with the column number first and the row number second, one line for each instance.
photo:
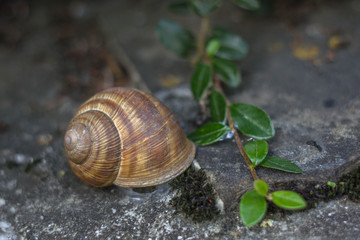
column 80, row 48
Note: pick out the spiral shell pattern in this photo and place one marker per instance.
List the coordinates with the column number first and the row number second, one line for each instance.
column 128, row 138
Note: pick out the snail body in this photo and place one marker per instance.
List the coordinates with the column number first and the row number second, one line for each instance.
column 128, row 138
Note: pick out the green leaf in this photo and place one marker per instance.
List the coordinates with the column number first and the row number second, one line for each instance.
column 200, row 80
column 252, row 121
column 252, row 208
column 256, row 151
column 331, row 184
column 248, row 4
column 217, row 107
column 205, row 7
column 227, row 71
column 209, row 133
column 233, row 47
column 261, row 187
column 175, row 37
column 280, row 164
column 181, row 7
column 288, row 200
column 212, row 47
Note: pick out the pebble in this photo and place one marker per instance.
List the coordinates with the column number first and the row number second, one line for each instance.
column 20, row 158
column 6, row 231
column 12, row 210
column 2, row 202
column 11, row 184
column 44, row 139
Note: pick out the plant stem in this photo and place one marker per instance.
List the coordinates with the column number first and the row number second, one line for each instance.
column 241, row 146
column 201, row 54
column 251, row 167
column 201, row 38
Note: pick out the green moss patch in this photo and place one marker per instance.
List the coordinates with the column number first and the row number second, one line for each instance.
column 348, row 185
column 194, row 197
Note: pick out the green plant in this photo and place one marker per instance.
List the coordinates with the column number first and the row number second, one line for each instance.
column 211, row 53
column 349, row 184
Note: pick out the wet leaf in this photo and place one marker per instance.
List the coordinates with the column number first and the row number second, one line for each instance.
column 280, row 164
column 233, row 47
column 288, row 200
column 212, row 47
column 256, row 151
column 252, row 208
column 200, row 80
column 209, row 133
column 248, row 4
column 227, row 71
column 205, row 7
column 175, row 37
column 252, row 121
column 261, row 187
column 217, row 107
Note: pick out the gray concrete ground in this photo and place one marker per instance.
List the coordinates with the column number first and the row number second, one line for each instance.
column 310, row 90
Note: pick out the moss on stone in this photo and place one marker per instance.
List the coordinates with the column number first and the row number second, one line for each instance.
column 195, row 196
column 349, row 185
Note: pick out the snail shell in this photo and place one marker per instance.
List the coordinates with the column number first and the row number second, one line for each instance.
column 128, row 138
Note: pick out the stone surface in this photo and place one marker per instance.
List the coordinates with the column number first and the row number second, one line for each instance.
column 311, row 100
column 40, row 198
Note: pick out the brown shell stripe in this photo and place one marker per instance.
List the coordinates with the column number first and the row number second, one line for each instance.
column 153, row 149
column 158, row 163
column 182, row 150
column 146, row 153
column 101, row 167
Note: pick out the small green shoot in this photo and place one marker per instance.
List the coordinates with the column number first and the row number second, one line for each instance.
column 212, row 52
column 331, row 184
column 212, row 47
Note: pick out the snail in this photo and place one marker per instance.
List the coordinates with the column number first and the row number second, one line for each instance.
column 128, row 138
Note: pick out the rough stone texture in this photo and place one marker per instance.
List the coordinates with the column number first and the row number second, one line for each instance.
column 313, row 100
column 40, row 198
